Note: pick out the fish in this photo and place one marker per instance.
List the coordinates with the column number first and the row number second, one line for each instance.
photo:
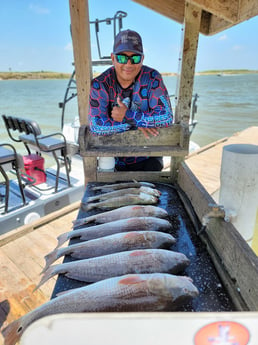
column 128, row 293
column 123, row 185
column 117, row 264
column 113, row 244
column 116, row 226
column 123, row 213
column 126, row 191
column 123, row 200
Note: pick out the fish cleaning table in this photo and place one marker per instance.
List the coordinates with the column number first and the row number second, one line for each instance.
column 212, row 294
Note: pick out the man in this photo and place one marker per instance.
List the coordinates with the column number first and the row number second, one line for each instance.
column 130, row 96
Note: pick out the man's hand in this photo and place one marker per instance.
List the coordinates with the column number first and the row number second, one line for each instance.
column 118, row 112
column 147, row 131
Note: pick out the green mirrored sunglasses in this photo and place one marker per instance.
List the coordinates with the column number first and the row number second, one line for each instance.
column 123, row 59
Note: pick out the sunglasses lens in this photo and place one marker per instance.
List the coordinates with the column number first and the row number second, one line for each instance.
column 122, row 59
column 135, row 59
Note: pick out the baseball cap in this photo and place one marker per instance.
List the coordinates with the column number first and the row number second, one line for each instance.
column 129, row 41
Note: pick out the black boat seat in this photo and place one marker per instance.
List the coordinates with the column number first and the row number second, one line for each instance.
column 29, row 133
column 9, row 159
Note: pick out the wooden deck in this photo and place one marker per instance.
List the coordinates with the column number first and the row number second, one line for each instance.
column 22, row 251
column 205, row 163
column 22, row 254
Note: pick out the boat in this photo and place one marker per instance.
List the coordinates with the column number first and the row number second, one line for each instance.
column 234, row 261
column 41, row 190
column 42, row 197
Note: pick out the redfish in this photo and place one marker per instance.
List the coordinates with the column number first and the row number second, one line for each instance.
column 123, row 213
column 121, row 192
column 116, row 226
column 113, row 244
column 129, row 293
column 107, row 266
column 123, row 200
column 123, row 185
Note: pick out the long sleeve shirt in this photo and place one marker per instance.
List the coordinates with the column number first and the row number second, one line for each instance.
column 147, row 101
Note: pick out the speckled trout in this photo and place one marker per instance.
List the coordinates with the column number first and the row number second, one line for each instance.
column 129, row 293
column 121, row 192
column 122, row 200
column 123, row 213
column 113, row 244
column 107, row 266
column 117, row 226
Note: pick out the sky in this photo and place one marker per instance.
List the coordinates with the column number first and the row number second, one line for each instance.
column 35, row 36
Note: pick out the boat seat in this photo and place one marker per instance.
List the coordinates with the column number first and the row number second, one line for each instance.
column 9, row 159
column 29, row 133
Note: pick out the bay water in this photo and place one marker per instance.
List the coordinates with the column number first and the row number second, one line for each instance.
column 226, row 104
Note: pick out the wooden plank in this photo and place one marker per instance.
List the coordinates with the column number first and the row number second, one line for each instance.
column 152, row 176
column 21, row 261
column 80, row 24
column 174, row 9
column 25, row 229
column 174, row 138
column 227, row 9
column 206, row 162
column 247, row 9
column 188, row 60
column 237, row 263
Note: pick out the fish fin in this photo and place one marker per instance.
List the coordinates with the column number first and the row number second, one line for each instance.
column 62, row 239
column 50, row 258
column 49, row 273
column 12, row 333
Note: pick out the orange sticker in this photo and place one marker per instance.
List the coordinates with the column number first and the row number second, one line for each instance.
column 222, row 333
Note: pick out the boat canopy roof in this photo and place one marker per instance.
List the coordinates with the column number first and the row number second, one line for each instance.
column 217, row 15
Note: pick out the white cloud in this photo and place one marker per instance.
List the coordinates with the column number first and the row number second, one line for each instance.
column 237, row 47
column 38, row 9
column 69, row 47
column 223, row 38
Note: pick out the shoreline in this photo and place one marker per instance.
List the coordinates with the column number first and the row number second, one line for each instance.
column 59, row 75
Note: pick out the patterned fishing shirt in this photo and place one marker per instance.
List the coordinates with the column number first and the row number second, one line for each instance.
column 147, row 101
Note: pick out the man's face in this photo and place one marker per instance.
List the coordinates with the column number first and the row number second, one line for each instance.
column 126, row 73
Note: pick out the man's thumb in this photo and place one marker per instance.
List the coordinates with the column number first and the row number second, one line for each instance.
column 119, row 102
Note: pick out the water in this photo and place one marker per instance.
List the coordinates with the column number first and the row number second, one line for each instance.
column 226, row 104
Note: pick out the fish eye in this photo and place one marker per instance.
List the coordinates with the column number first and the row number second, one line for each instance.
column 19, row 329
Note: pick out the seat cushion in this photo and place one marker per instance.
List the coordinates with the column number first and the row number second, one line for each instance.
column 46, row 144
column 6, row 155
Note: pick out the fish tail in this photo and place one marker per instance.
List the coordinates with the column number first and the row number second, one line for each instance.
column 12, row 333
column 86, row 220
column 49, row 273
column 50, row 258
column 87, row 206
column 62, row 239
column 93, row 198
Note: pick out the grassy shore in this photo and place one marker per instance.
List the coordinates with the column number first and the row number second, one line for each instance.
column 33, row 75
column 227, row 71
column 56, row 75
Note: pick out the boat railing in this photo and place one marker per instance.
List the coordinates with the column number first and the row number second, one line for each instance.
column 71, row 89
